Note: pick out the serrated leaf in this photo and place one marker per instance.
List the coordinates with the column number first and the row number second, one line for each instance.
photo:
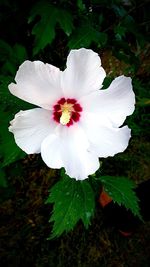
column 120, row 189
column 44, row 29
column 85, row 35
column 73, row 200
column 65, row 20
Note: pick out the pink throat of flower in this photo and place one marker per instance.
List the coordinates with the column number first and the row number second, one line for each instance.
column 67, row 111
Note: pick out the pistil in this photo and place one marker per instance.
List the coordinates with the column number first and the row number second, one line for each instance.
column 65, row 117
column 67, row 111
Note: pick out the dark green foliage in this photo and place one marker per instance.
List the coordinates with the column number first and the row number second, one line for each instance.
column 85, row 35
column 3, row 181
column 73, row 200
column 139, row 121
column 44, row 29
column 121, row 191
column 11, row 57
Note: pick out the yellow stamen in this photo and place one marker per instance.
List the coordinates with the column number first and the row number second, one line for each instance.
column 65, row 117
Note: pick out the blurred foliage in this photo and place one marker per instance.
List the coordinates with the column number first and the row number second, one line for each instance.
column 47, row 30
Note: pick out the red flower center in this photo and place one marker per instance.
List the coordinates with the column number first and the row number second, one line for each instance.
column 67, row 111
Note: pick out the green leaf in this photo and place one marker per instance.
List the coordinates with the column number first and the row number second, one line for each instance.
column 120, row 32
column 73, row 200
column 143, row 102
column 81, row 5
column 11, row 57
column 85, row 35
column 44, row 29
column 19, row 53
column 10, row 152
column 3, row 181
column 121, row 191
column 65, row 20
column 5, row 50
column 4, row 92
column 107, row 81
column 119, row 10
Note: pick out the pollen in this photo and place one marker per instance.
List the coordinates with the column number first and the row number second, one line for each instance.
column 67, row 111
column 65, row 117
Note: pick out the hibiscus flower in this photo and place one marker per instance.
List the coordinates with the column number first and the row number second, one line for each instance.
column 76, row 122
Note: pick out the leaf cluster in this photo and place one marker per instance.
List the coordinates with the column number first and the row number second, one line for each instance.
column 75, row 200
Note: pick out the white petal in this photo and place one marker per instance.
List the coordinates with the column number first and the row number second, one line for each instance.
column 83, row 74
column 105, row 140
column 112, row 104
column 37, row 83
column 51, row 152
column 30, row 127
column 111, row 141
column 69, row 149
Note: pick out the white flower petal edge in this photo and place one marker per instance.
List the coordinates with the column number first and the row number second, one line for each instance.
column 83, row 74
column 30, row 128
column 113, row 104
column 37, row 83
column 69, row 149
column 104, row 139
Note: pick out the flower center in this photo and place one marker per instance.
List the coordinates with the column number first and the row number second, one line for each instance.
column 67, row 111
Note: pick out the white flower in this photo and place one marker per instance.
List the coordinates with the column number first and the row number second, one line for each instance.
column 76, row 123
